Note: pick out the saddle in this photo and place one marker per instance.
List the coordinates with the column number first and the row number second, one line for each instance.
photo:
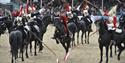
column 118, row 30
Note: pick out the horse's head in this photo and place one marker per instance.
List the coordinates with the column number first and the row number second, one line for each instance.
column 2, row 27
column 47, row 19
column 102, row 26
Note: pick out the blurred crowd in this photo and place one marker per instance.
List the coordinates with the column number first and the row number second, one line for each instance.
column 97, row 3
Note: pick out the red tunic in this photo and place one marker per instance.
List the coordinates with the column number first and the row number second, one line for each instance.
column 115, row 21
column 33, row 8
column 64, row 19
column 27, row 11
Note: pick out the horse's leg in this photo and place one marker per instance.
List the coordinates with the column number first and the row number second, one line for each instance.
column 15, row 59
column 85, row 36
column 22, row 56
column 27, row 51
column 67, row 51
column 63, row 44
column 73, row 40
column 21, row 49
column 82, row 37
column 41, row 45
column 31, row 48
column 67, row 47
column 101, row 50
column 111, row 49
column 120, row 51
column 101, row 53
column 35, row 45
column 78, row 37
column 115, row 50
column 107, row 49
column 12, row 57
column 88, row 37
column 114, row 43
column 119, row 54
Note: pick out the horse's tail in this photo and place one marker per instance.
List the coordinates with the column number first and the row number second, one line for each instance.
column 15, row 39
column 13, row 43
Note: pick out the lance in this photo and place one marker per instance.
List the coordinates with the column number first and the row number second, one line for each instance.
column 119, row 1
column 41, row 3
column 72, row 4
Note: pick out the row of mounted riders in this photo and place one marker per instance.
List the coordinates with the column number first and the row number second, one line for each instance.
column 25, row 29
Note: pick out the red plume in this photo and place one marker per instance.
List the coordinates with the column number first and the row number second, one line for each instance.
column 20, row 12
column 27, row 6
column 115, row 21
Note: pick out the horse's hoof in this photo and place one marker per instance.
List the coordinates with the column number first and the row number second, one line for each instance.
column 82, row 43
column 27, row 56
column 57, row 42
column 41, row 48
column 22, row 59
column 74, row 44
column 118, row 58
column 88, row 42
column 35, row 54
column 100, row 62
column 111, row 56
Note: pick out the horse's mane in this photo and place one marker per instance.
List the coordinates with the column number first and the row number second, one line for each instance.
column 102, row 26
column 59, row 25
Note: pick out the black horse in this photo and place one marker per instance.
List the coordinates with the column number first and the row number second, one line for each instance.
column 17, row 42
column 88, row 27
column 60, row 33
column 38, row 27
column 104, row 40
column 84, row 24
column 81, row 26
column 119, row 38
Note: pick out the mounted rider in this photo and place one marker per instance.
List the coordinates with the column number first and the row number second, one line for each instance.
column 64, row 20
column 85, row 10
